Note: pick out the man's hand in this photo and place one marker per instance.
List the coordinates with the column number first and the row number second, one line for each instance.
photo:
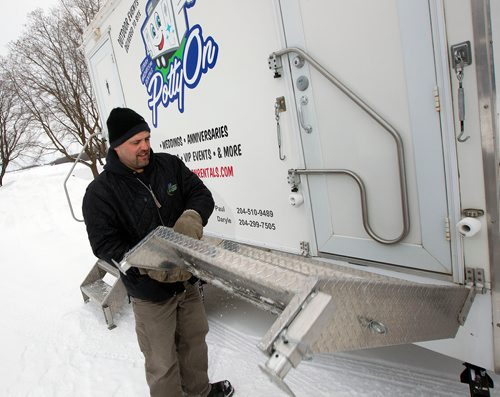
column 190, row 224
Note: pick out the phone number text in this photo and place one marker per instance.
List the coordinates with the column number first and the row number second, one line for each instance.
column 255, row 212
column 257, row 224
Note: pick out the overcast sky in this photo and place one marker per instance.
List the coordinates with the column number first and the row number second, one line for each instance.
column 13, row 17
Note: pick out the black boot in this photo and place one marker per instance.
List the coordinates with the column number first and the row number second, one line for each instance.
column 221, row 389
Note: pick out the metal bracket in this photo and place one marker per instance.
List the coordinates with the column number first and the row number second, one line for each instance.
column 478, row 379
column 280, row 104
column 274, row 62
column 293, row 179
column 472, row 212
column 479, row 280
column 461, row 55
column 474, row 280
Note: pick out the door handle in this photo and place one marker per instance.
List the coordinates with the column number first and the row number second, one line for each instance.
column 307, row 127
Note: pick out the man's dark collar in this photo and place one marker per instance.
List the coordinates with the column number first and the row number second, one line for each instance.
column 114, row 165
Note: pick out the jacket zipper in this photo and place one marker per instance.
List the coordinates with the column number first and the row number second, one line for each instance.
column 157, row 203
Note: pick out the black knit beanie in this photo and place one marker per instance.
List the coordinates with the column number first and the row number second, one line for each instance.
column 123, row 124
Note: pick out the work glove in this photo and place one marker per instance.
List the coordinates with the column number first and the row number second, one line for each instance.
column 190, row 224
column 168, row 276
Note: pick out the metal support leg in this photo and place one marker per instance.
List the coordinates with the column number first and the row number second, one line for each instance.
column 108, row 315
column 295, row 341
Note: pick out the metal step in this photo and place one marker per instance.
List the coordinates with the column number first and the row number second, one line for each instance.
column 109, row 297
column 97, row 291
column 324, row 307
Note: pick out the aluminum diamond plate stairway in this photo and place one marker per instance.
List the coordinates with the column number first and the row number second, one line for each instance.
column 110, row 297
column 323, row 307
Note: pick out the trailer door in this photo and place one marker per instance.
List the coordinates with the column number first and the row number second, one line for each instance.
column 383, row 51
column 106, row 80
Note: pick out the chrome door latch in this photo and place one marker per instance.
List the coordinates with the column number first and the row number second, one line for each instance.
column 461, row 57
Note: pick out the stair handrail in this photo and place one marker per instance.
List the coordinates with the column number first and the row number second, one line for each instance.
column 77, row 160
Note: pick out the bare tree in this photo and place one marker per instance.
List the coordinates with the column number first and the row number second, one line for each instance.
column 18, row 141
column 49, row 73
column 82, row 10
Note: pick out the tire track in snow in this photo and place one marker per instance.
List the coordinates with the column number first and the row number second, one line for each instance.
column 326, row 374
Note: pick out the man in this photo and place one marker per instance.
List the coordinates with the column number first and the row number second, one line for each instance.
column 138, row 191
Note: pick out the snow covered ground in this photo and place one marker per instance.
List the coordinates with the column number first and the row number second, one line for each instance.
column 52, row 344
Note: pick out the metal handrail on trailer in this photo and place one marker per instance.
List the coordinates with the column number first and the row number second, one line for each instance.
column 275, row 64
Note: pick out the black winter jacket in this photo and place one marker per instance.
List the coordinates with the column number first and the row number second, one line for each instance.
column 119, row 211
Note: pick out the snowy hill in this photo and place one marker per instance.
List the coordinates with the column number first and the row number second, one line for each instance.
column 55, row 345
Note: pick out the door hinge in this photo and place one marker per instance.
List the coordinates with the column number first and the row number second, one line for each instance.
column 305, row 249
column 437, row 101
column 447, row 233
column 474, row 278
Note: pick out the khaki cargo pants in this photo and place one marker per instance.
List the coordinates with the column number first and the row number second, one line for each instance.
column 171, row 336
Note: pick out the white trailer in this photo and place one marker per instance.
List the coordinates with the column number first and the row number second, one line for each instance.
column 362, row 134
